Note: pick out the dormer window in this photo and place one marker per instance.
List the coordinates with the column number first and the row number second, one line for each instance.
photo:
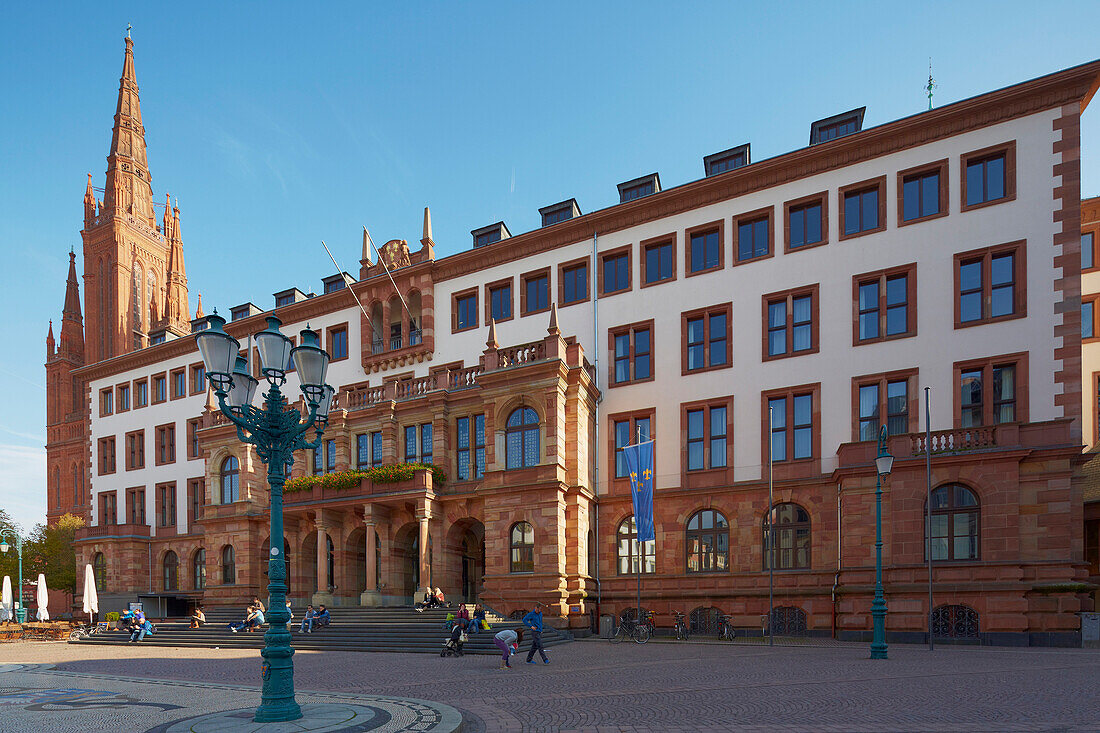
column 288, row 297
column 336, row 282
column 726, row 160
column 639, row 187
column 563, row 211
column 840, row 125
column 490, row 234
column 243, row 311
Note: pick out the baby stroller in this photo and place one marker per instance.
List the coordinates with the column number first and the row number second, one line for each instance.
column 452, row 646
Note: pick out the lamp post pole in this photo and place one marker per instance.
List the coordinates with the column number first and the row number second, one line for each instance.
column 275, row 431
column 21, row 610
column 883, row 463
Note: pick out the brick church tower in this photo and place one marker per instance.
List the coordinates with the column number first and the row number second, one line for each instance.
column 135, row 293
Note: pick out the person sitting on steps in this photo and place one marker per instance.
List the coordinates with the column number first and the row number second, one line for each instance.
column 439, row 599
column 198, row 618
column 428, row 602
column 307, row 622
column 322, row 618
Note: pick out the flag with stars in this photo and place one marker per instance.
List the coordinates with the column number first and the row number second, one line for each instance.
column 639, row 467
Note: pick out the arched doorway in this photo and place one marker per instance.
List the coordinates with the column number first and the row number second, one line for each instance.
column 356, row 548
column 465, row 566
column 306, row 584
column 265, row 558
column 406, row 561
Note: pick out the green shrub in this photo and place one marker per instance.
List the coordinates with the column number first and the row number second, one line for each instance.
column 113, row 616
column 389, row 474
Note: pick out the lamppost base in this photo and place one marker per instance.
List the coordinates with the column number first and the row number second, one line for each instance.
column 278, row 713
column 878, row 654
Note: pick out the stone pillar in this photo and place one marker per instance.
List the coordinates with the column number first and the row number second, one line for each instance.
column 322, row 595
column 424, row 516
column 370, row 595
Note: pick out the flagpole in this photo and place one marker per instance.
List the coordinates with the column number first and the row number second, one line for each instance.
column 928, row 498
column 638, row 539
column 771, row 534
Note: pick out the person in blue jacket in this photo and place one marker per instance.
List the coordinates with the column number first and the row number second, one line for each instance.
column 533, row 622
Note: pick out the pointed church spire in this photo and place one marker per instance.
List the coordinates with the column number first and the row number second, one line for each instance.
column 89, row 204
column 198, row 310
column 50, row 350
column 128, row 189
column 176, row 308
column 72, row 323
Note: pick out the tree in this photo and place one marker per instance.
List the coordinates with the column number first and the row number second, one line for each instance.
column 49, row 550
column 9, row 561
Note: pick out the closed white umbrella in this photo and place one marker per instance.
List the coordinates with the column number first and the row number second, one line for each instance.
column 43, row 599
column 91, row 598
column 6, row 604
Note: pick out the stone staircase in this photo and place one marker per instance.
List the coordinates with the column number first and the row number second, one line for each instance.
column 383, row 629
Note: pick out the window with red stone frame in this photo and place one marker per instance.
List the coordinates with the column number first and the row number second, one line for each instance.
column 706, row 440
column 198, row 378
column 108, row 508
column 625, row 428
column 166, row 504
column 754, row 236
column 165, row 444
column 135, row 505
column 706, row 339
column 534, row 294
column 630, row 350
column 193, row 449
column 106, row 455
column 862, row 208
column 574, row 282
column 922, row 193
column 991, row 391
column 705, row 248
column 807, row 222
column 196, row 499
column 991, row 284
column 1090, row 319
column 135, row 450
column 890, row 398
column 885, row 304
column 795, row 431
column 499, row 303
column 790, row 323
column 464, row 315
column 657, row 258
column 988, row 176
column 616, row 273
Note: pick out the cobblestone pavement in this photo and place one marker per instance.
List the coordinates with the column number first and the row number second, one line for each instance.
column 596, row 686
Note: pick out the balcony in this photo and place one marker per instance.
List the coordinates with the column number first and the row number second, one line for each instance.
column 95, row 531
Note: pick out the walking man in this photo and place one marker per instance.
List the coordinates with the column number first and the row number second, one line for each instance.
column 533, row 621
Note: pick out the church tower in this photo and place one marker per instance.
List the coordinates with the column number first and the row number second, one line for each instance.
column 134, row 278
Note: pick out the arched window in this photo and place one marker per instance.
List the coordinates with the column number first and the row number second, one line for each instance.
column 199, row 568
column 522, row 438
column 791, row 537
column 99, row 571
column 171, row 567
column 151, row 297
column 229, row 566
column 708, row 541
column 136, row 302
column 628, row 549
column 231, row 480
column 523, row 548
column 331, row 555
column 956, row 524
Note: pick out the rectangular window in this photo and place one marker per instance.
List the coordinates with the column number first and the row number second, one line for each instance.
column 330, row 456
column 707, row 338
column 883, row 397
column 990, row 285
column 106, row 402
column 426, row 443
column 108, row 508
column 166, row 505
column 636, row 192
column 106, row 455
column 318, row 460
column 791, row 323
column 706, row 437
column 135, row 450
column 338, row 343
column 992, row 391
column 631, row 350
column 166, row 444
column 863, row 208
column 807, row 222
column 376, row 448
column 536, row 292
column 792, row 426
column 179, row 384
column 124, row 397
column 574, row 282
column 658, row 261
column 704, row 249
column 753, row 233
column 141, row 393
column 500, row 301
column 135, row 505
column 629, row 431
column 1088, row 319
column 885, row 304
column 196, row 499
column 465, row 310
column 193, row 450
column 198, row 379
column 1088, row 251
column 471, row 447
column 615, row 272
column 922, row 193
column 160, row 389
column 462, row 448
column 362, row 451
column 410, row 444
column 985, row 179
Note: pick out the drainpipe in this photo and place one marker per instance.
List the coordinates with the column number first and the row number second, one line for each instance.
column 836, row 577
column 596, row 437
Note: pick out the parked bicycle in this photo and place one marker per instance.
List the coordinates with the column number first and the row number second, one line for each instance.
column 683, row 631
column 726, row 632
column 85, row 630
column 639, row 631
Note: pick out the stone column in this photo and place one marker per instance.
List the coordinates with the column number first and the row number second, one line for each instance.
column 322, row 595
column 424, row 516
column 370, row 595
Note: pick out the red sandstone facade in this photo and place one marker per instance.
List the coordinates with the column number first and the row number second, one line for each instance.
column 378, row 543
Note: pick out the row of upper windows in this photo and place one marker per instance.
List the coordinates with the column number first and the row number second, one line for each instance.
column 989, row 178
column 990, row 286
column 186, row 381
column 165, row 506
column 134, row 447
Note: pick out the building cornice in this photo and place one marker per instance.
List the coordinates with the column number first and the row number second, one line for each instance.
column 1076, row 84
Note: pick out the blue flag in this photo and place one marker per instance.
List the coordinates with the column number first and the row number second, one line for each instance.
column 639, row 466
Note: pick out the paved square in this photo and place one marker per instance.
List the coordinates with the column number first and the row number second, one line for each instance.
column 596, row 686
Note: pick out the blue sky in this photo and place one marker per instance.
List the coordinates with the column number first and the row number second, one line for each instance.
column 277, row 125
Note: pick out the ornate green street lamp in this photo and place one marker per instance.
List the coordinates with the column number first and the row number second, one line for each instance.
column 883, row 463
column 275, row 431
column 21, row 610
